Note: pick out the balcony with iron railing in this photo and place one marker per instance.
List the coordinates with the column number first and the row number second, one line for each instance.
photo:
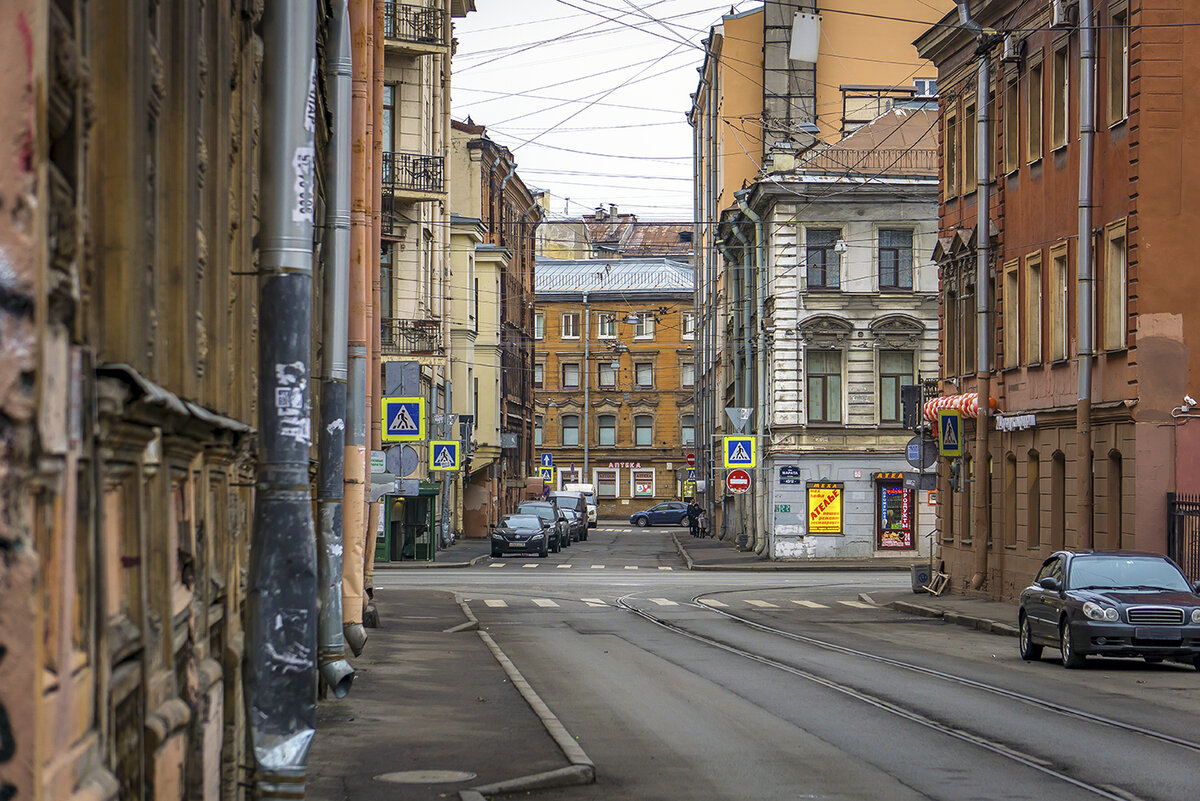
column 882, row 162
column 413, row 29
column 411, row 338
column 413, row 174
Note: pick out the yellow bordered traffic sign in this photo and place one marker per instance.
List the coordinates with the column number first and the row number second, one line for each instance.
column 739, row 451
column 403, row 419
column 950, row 432
column 444, row 455
column 547, row 474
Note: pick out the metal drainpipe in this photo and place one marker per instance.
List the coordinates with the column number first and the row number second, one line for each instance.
column 335, row 670
column 1086, row 290
column 281, row 663
column 742, row 375
column 982, row 484
column 375, row 308
column 587, row 385
column 714, row 199
column 760, row 369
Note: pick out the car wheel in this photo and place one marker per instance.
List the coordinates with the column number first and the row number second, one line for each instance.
column 584, row 535
column 557, row 546
column 1029, row 651
column 1070, row 657
column 643, row 522
column 1196, row 662
column 545, row 550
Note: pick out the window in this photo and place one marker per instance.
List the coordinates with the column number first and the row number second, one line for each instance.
column 539, row 375
column 895, row 513
column 539, row 326
column 644, row 372
column 608, row 375
column 570, row 326
column 824, row 262
column 642, row 483
column 1012, row 314
column 1117, row 67
column 970, row 169
column 1033, row 495
column 643, row 430
column 1060, row 102
column 570, row 429
column 895, row 371
column 926, row 87
column 1033, row 114
column 824, row 386
column 895, row 259
column 687, row 430
column 1058, row 302
column 1115, row 506
column 687, row 374
column 689, row 326
column 1113, row 331
column 1033, row 308
column 570, row 376
column 608, row 429
column 644, row 327
column 387, row 289
column 538, row 422
column 389, row 118
column 607, row 326
column 606, row 483
column 951, row 342
column 1012, row 123
column 950, row 153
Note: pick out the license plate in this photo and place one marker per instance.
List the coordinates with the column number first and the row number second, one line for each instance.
column 1156, row 633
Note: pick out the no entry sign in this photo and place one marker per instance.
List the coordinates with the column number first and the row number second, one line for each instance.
column 738, row 481
column 691, row 460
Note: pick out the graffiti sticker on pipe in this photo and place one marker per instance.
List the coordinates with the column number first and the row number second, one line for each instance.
column 291, row 402
column 303, row 163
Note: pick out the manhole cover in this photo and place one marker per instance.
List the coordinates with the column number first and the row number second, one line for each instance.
column 425, row 776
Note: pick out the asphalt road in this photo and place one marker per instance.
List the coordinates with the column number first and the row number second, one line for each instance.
column 740, row 686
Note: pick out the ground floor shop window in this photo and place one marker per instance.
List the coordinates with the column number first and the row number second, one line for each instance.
column 894, row 513
column 606, row 483
column 642, row 482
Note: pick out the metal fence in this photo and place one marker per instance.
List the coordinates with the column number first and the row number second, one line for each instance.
column 880, row 161
column 1183, row 532
column 409, row 23
column 408, row 337
column 412, row 172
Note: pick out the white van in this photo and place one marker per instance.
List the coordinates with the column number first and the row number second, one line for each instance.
column 589, row 494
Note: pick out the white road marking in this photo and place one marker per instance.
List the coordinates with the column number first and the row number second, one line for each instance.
column 560, row 567
column 593, row 602
column 531, row 564
column 631, row 567
column 495, row 604
column 856, row 604
column 664, row 602
column 762, row 604
column 666, row 568
column 810, row 604
column 544, row 602
column 496, row 564
column 715, row 604
column 597, row 567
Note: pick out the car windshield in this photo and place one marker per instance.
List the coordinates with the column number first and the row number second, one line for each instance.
column 1125, row 572
column 543, row 510
column 521, row 521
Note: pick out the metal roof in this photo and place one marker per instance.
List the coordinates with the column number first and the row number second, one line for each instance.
column 612, row 275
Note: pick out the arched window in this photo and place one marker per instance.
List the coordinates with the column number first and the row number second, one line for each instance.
column 1010, row 499
column 570, row 429
column 1033, row 494
column 643, row 430
column 608, row 429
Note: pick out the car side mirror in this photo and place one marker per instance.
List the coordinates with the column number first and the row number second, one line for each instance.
column 491, row 525
column 1050, row 583
column 1196, row 588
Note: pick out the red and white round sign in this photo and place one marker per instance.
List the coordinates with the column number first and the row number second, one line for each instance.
column 738, row 481
column 691, row 460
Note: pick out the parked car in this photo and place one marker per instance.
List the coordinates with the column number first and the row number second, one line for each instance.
column 521, row 534
column 664, row 514
column 1110, row 603
column 552, row 516
column 589, row 496
column 574, row 502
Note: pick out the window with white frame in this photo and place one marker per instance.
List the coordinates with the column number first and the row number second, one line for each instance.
column 824, row 385
column 607, row 326
column 539, row 374
column 539, row 326
column 1114, row 289
column 644, row 374
column 896, row 258
column 607, row 485
column 570, row 326
column 538, row 423
column 687, row 430
column 687, row 375
column 643, row 430
column 570, row 376
column 822, row 258
column 607, row 375
column 570, row 429
column 689, row 326
column 895, row 371
column 607, row 424
column 644, row 327
column 641, row 483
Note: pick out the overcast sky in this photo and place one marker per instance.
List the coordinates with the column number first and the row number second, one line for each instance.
column 593, row 110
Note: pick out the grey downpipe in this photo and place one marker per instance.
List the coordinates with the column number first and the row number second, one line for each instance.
column 331, row 438
column 281, row 663
column 743, row 375
column 760, row 369
column 714, row 215
column 587, row 386
column 1086, row 289
column 698, row 425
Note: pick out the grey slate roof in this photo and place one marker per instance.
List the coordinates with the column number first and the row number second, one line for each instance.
column 569, row 276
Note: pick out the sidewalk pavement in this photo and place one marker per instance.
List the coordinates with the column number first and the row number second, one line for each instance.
column 712, row 554
column 996, row 617
column 463, row 553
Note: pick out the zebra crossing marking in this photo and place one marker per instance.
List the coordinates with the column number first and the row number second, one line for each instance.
column 631, row 567
column 593, row 602
column 560, row 567
column 544, row 602
column 856, row 604
column 762, row 604
column 664, row 602
column 496, row 564
column 665, row 568
column 597, row 567
column 715, row 604
column 810, row 604
column 531, row 564
column 495, row 603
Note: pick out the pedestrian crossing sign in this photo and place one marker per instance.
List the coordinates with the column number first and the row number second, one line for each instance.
column 740, row 452
column 547, row 474
column 950, row 432
column 403, row 419
column 443, row 455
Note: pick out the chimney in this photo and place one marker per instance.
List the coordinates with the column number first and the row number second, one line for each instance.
column 600, row 213
column 612, row 210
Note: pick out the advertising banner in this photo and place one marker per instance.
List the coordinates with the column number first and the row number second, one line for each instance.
column 824, row 508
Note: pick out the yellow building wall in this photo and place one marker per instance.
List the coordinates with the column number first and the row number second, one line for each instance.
column 739, row 132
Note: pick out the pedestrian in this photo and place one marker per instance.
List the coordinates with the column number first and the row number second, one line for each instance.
column 702, row 523
column 693, row 515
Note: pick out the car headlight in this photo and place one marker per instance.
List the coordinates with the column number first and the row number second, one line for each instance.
column 1097, row 612
column 536, row 537
column 496, row 535
column 1196, row 615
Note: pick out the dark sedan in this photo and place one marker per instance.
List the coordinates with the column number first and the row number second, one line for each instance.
column 1110, row 603
column 664, row 514
column 521, row 534
column 552, row 516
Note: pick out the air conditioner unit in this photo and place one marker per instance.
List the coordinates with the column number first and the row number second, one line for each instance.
column 1060, row 14
column 1010, row 51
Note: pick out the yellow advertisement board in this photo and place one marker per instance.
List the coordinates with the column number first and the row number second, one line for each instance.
column 824, row 508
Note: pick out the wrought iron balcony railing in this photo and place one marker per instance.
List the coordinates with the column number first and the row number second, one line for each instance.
column 409, row 23
column 412, row 172
column 411, row 337
column 892, row 162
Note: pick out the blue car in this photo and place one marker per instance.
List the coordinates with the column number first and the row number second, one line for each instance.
column 670, row 513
